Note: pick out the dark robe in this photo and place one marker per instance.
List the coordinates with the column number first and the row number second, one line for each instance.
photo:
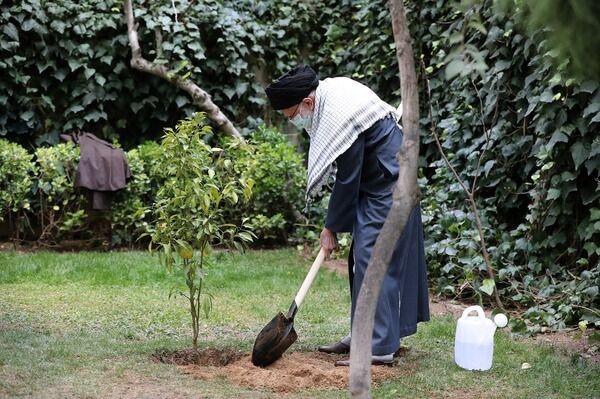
column 360, row 202
column 102, row 169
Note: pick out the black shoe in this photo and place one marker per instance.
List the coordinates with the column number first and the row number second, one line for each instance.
column 339, row 348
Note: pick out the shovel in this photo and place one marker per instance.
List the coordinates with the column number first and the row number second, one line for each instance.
column 277, row 336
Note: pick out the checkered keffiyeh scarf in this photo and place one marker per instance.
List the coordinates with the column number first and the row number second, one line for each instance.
column 344, row 108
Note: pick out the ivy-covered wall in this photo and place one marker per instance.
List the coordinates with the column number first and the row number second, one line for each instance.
column 65, row 63
column 515, row 125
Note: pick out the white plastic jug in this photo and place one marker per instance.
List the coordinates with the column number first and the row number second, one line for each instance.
column 474, row 340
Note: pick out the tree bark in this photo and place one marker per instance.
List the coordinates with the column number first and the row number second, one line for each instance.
column 199, row 96
column 405, row 197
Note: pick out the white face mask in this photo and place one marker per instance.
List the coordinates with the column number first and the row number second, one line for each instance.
column 302, row 122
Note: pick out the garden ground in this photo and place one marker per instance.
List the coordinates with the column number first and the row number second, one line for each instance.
column 95, row 324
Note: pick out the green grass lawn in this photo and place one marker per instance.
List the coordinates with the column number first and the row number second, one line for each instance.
column 84, row 325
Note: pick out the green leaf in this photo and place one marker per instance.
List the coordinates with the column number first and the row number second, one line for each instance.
column 580, row 152
column 592, row 164
column 593, row 108
column 591, row 291
column 533, row 102
column 589, row 86
column 135, row 106
column 95, row 116
column 456, row 37
column 181, row 101
column 58, row 26
column 27, row 115
column 547, row 96
column 11, row 31
column 553, row 193
column 29, row 25
column 488, row 166
column 590, row 194
column 454, row 68
column 478, row 25
column 557, row 137
column 245, row 236
column 518, row 326
column 229, row 92
column 101, row 80
column 590, row 248
column 488, row 286
column 107, row 59
column 451, row 251
column 74, row 64
column 60, row 74
column 74, row 109
column 89, row 72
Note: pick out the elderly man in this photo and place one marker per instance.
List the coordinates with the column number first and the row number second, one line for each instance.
column 355, row 136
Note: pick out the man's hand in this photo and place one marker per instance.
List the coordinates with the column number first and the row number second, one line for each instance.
column 328, row 241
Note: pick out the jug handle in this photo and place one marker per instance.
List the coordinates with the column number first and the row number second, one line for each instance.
column 472, row 308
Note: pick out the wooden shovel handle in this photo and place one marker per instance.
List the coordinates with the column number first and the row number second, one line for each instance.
column 312, row 273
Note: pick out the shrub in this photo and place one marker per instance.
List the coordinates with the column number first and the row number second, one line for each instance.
column 16, row 168
column 60, row 208
column 278, row 172
column 131, row 214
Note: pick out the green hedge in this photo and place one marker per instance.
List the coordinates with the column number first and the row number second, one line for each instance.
column 41, row 188
column 57, row 206
column 279, row 182
column 16, row 169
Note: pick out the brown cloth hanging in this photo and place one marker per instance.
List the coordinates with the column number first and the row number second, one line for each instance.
column 102, row 169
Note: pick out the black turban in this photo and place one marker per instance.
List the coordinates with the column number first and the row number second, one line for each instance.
column 290, row 88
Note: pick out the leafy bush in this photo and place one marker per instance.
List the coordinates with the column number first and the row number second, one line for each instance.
column 131, row 214
column 278, row 172
column 60, row 208
column 189, row 209
column 16, row 168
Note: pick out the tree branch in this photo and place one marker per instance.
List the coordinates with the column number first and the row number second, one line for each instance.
column 200, row 97
column 159, row 40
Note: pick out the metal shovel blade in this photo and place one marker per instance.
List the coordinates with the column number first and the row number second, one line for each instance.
column 277, row 336
column 273, row 340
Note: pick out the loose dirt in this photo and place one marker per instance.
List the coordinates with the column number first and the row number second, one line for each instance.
column 294, row 372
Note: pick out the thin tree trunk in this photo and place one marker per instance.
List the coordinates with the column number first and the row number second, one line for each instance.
column 405, row 197
column 199, row 96
column 193, row 311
